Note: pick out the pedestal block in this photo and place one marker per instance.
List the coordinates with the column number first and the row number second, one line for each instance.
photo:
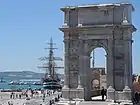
column 110, row 94
column 124, row 96
column 80, row 93
column 65, row 92
column 120, row 96
column 127, row 94
column 73, row 94
column 88, row 95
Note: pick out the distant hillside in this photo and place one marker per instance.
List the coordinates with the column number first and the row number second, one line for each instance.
column 14, row 75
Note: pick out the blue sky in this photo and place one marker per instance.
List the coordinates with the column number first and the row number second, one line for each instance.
column 25, row 26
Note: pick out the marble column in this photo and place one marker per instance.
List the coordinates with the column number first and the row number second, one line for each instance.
column 127, row 62
column 87, row 78
column 110, row 74
column 127, row 91
column 80, row 74
column 66, row 69
column 80, row 88
column 85, row 62
column 130, row 65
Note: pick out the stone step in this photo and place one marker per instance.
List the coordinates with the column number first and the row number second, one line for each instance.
column 91, row 103
column 94, row 103
column 102, row 103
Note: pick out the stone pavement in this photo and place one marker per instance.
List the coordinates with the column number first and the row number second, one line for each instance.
column 94, row 103
column 36, row 100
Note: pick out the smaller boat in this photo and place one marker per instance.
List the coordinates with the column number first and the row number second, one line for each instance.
column 2, row 81
column 37, row 83
column 26, row 83
column 13, row 83
column 21, row 83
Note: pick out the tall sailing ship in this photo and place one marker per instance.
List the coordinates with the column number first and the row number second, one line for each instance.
column 51, row 79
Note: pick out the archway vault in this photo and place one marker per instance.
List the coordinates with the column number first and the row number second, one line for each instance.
column 93, row 44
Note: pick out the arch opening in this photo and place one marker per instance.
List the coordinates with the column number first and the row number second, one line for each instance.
column 98, row 66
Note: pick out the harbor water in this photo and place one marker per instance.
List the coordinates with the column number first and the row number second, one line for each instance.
column 7, row 86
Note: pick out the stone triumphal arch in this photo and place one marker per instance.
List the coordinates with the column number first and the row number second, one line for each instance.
column 90, row 26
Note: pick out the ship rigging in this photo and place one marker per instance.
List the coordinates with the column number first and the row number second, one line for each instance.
column 51, row 79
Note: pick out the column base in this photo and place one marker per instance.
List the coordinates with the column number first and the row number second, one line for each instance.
column 127, row 94
column 80, row 93
column 65, row 87
column 110, row 94
column 65, row 92
column 79, row 87
column 124, row 96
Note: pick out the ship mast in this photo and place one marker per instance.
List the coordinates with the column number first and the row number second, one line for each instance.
column 51, row 65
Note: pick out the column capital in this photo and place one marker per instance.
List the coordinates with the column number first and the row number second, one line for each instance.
column 83, row 36
column 66, row 37
column 65, row 87
column 110, row 37
column 66, row 40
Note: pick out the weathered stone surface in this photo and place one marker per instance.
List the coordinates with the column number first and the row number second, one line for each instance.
column 107, row 26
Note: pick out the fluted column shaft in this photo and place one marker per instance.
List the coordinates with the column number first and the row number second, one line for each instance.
column 80, row 75
column 66, row 69
column 110, row 69
column 128, row 62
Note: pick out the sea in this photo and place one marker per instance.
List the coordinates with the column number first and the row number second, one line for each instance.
column 7, row 86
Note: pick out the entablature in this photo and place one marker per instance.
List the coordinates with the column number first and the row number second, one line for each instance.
column 131, row 28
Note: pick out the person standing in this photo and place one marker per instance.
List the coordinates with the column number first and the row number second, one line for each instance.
column 103, row 93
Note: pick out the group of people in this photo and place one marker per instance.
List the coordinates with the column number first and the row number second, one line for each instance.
column 13, row 95
column 48, row 93
column 55, row 100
